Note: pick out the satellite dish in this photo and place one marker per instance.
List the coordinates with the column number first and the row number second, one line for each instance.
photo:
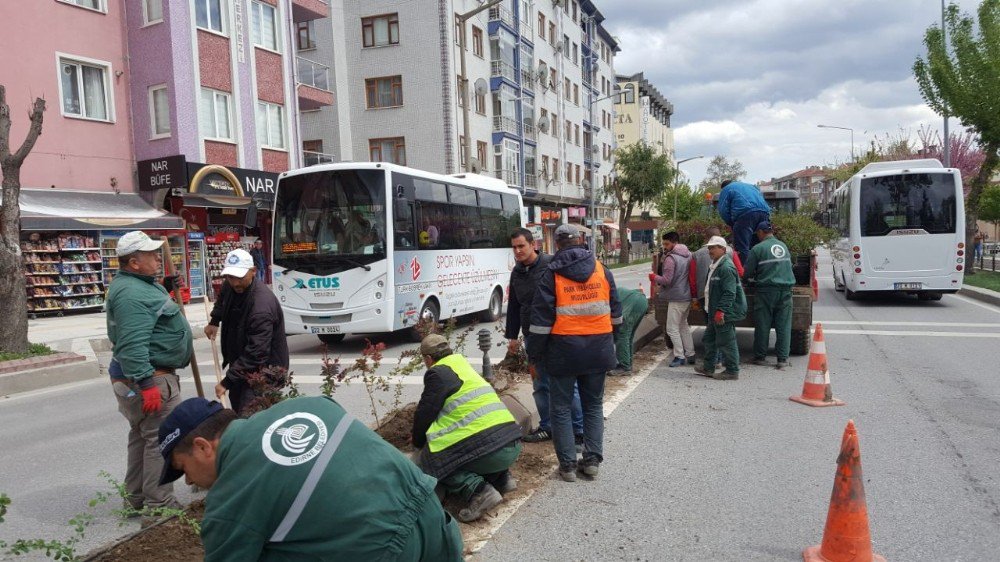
column 543, row 125
column 475, row 166
column 559, row 47
column 594, row 148
column 482, row 87
column 585, row 184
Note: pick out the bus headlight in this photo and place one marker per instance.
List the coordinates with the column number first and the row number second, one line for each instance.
column 380, row 284
column 378, row 295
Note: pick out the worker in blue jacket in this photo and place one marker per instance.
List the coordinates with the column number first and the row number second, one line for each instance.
column 742, row 207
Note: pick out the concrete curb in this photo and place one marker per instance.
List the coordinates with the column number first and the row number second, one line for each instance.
column 39, row 362
column 982, row 295
column 53, row 375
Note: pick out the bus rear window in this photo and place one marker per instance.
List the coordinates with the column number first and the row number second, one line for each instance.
column 910, row 202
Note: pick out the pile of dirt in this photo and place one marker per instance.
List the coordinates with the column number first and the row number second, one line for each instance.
column 398, row 427
column 170, row 541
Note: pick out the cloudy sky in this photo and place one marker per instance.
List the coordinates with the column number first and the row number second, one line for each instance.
column 751, row 79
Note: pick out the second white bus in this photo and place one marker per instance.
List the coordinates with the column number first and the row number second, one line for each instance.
column 901, row 229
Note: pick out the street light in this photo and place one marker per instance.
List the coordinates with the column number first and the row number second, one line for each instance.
column 677, row 186
column 462, row 18
column 947, row 140
column 843, row 129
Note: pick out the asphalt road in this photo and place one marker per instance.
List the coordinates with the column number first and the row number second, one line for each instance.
column 54, row 443
column 698, row 469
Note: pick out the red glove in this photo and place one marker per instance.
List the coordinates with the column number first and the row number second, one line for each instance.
column 652, row 276
column 720, row 318
column 151, row 400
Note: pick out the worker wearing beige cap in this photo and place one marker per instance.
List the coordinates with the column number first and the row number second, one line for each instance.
column 467, row 438
column 725, row 304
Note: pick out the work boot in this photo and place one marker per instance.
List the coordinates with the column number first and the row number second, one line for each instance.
column 567, row 471
column 589, row 467
column 677, row 362
column 506, row 485
column 782, row 364
column 578, row 443
column 691, row 360
column 704, row 372
column 726, row 376
column 480, row 502
column 759, row 361
column 537, row 436
column 619, row 372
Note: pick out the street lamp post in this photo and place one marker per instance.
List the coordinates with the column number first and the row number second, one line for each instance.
column 843, row 129
column 677, row 177
column 947, row 139
column 467, row 141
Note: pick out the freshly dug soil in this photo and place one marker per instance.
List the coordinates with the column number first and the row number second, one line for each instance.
column 172, row 541
column 398, row 428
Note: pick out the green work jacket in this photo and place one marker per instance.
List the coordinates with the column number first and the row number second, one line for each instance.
column 770, row 264
column 726, row 293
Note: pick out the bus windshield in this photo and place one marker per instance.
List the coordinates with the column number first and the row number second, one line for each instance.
column 908, row 202
column 333, row 220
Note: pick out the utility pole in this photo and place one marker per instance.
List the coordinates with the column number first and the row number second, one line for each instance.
column 947, row 137
column 467, row 141
column 677, row 183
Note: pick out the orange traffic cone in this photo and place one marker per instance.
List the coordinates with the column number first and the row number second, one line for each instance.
column 816, row 389
column 641, row 290
column 846, row 537
column 815, row 287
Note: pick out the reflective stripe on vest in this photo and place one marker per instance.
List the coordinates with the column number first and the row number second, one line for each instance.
column 583, row 309
column 473, row 409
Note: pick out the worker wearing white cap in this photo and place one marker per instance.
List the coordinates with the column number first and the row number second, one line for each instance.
column 725, row 304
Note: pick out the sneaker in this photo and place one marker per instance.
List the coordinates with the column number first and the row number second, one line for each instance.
column 677, row 362
column 619, row 372
column 782, row 364
column 567, row 471
column 589, row 467
column 726, row 376
column 480, row 502
column 704, row 372
column 537, row 436
column 691, row 360
column 578, row 442
column 508, row 485
column 759, row 361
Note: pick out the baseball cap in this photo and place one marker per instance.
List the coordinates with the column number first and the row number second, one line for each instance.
column 238, row 263
column 433, row 345
column 136, row 241
column 567, row 232
column 765, row 226
column 182, row 420
column 717, row 241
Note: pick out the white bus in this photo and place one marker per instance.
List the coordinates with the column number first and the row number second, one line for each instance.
column 902, row 229
column 375, row 247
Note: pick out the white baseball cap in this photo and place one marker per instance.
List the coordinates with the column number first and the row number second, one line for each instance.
column 717, row 241
column 136, row 241
column 238, row 263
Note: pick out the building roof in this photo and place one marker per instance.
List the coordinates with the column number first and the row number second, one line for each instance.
column 590, row 8
column 648, row 89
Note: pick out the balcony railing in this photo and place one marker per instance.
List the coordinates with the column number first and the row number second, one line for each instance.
column 527, row 80
column 505, row 124
column 502, row 69
column 530, row 181
column 530, row 132
column 315, row 158
column 526, row 30
column 313, row 74
column 509, row 176
column 501, row 13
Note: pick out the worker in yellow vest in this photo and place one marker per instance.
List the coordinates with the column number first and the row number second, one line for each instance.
column 467, row 438
column 574, row 318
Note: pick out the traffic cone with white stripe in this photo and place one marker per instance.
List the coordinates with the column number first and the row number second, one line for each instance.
column 816, row 389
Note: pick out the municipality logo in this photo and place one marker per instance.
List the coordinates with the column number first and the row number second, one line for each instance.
column 777, row 251
column 294, row 439
column 233, row 259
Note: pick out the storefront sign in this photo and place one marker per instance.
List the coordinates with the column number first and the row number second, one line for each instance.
column 161, row 173
column 234, row 182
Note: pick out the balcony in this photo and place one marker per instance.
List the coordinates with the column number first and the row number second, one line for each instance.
column 308, row 10
column 505, row 124
column 316, row 158
column 502, row 14
column 530, row 132
column 313, row 84
column 501, row 69
column 527, row 31
column 530, row 182
column 527, row 80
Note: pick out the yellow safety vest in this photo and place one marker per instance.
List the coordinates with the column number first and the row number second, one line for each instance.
column 473, row 409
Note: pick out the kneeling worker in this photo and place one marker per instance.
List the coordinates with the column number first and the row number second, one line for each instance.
column 467, row 438
column 303, row 480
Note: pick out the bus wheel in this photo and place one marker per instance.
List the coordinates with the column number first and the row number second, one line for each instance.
column 332, row 339
column 430, row 316
column 929, row 296
column 492, row 314
column 800, row 342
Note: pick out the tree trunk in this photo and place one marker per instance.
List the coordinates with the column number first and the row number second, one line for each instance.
column 13, row 301
column 623, row 256
column 972, row 204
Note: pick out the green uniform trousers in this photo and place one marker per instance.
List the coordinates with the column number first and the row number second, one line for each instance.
column 634, row 307
column 772, row 308
column 721, row 340
column 435, row 536
column 464, row 481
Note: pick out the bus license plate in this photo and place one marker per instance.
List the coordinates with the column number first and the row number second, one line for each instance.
column 905, row 286
column 326, row 329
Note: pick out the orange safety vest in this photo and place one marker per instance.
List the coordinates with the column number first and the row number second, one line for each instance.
column 583, row 309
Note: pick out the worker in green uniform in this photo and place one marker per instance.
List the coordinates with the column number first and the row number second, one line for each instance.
column 304, row 480
column 634, row 307
column 725, row 304
column 770, row 265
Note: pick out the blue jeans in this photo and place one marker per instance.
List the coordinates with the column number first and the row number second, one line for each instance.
column 591, row 387
column 743, row 232
column 540, row 387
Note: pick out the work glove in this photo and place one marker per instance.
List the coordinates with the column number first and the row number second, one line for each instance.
column 720, row 318
column 695, row 305
column 652, row 276
column 172, row 282
column 151, row 400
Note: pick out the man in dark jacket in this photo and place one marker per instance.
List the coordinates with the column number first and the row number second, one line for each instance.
column 770, row 266
column 742, row 207
column 253, row 328
column 725, row 304
column 573, row 319
column 257, row 252
column 523, row 284
column 467, row 438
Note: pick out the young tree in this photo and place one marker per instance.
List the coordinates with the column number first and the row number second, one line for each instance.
column 720, row 170
column 643, row 175
column 960, row 78
column 690, row 202
column 13, row 301
column 989, row 204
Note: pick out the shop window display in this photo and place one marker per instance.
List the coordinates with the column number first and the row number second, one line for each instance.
column 62, row 272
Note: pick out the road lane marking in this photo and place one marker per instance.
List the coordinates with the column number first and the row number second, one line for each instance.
column 891, row 323
column 914, row 333
column 984, row 306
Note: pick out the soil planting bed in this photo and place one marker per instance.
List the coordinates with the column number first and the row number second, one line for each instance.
column 170, row 541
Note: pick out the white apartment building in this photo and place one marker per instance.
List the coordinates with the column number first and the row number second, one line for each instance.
column 533, row 69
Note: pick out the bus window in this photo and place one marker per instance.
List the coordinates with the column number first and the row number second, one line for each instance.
column 908, row 201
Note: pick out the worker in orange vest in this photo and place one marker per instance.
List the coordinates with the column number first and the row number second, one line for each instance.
column 574, row 318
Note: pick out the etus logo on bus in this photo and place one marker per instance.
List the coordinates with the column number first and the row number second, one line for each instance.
column 317, row 283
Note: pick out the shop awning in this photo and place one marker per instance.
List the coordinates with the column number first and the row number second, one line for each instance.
column 50, row 209
column 610, row 225
column 216, row 201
